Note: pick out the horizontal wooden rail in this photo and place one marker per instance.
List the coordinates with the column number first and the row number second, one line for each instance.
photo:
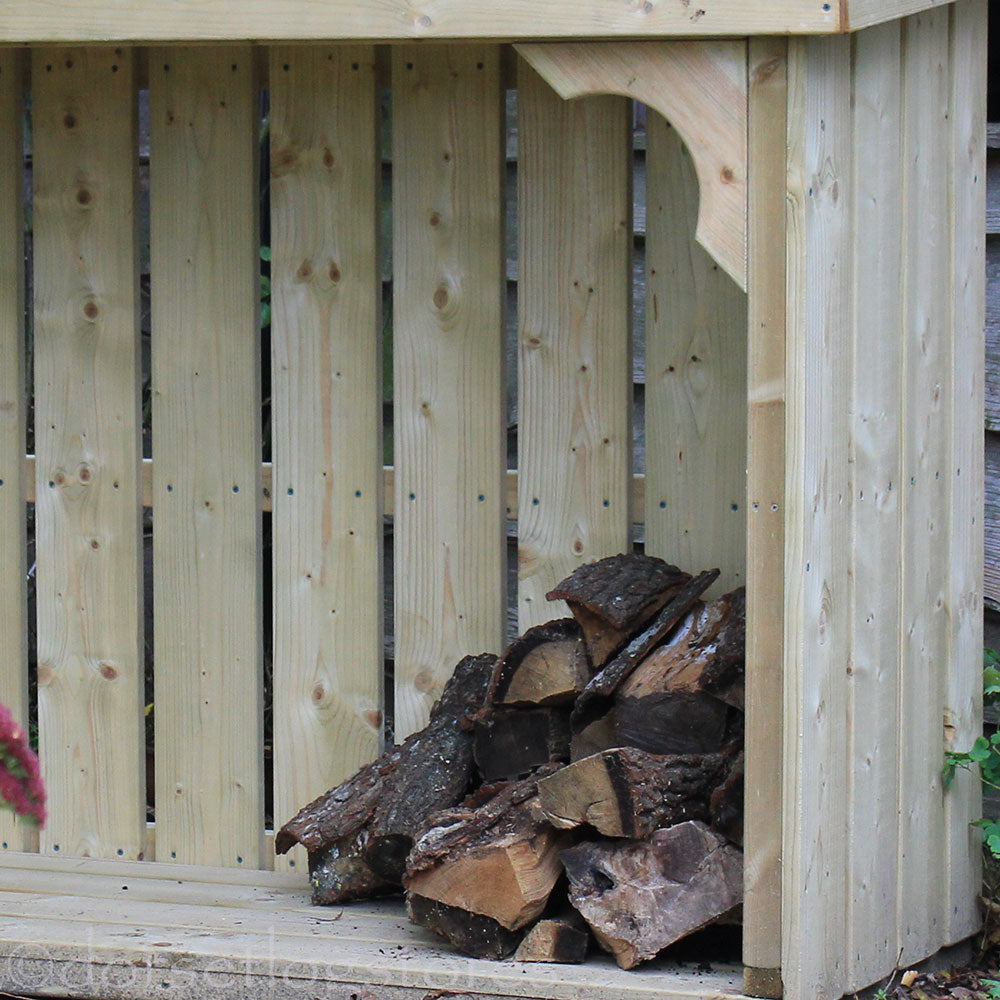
column 266, row 503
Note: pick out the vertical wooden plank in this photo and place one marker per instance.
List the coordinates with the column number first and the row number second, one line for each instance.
column 13, row 604
column 448, row 384
column 768, row 89
column 817, row 524
column 206, row 455
column 696, row 378
column 963, row 698
column 873, row 671
column 925, row 532
column 326, row 420
column 574, row 298
column 87, row 443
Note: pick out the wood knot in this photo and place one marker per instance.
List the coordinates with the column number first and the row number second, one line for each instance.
column 44, row 674
column 84, row 474
column 424, row 681
column 328, row 158
column 727, row 175
column 319, row 693
column 108, row 671
column 435, row 219
column 90, row 309
column 374, row 718
column 69, row 120
column 440, row 297
column 84, row 197
column 334, row 272
column 304, row 273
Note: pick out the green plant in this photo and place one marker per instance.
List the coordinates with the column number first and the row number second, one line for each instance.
column 984, row 754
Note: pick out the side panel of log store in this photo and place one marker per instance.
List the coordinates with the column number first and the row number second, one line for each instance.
column 884, row 521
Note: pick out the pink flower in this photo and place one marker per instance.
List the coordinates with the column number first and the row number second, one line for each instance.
column 20, row 779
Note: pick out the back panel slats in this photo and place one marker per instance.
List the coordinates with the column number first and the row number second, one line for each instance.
column 696, row 378
column 325, row 420
column 448, row 300
column 13, row 604
column 87, row 446
column 204, row 258
column 574, row 376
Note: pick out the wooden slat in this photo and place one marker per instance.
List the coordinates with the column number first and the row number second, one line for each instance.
column 873, row 671
column 86, row 356
column 574, row 378
column 13, row 606
column 765, row 501
column 326, row 421
column 448, row 300
column 696, row 379
column 206, row 419
column 924, row 499
column 223, row 20
column 865, row 13
column 817, row 525
column 963, row 695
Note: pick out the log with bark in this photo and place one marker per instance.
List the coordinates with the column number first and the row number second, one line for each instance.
column 626, row 792
column 373, row 817
column 512, row 742
column 548, row 665
column 641, row 896
column 613, row 598
column 498, row 860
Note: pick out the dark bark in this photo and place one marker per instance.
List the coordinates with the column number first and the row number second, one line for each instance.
column 629, row 793
column 338, row 873
column 511, row 742
column 641, row 896
column 726, row 803
column 471, row 933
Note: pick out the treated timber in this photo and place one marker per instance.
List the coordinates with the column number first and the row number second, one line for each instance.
column 448, row 301
column 873, row 681
column 963, row 694
column 228, row 20
column 924, row 489
column 696, row 376
column 86, row 405
column 204, row 248
column 13, row 541
column 574, row 372
column 205, row 931
column 701, row 89
column 326, row 376
column 817, row 518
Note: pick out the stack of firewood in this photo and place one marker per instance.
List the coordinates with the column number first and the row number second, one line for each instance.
column 602, row 752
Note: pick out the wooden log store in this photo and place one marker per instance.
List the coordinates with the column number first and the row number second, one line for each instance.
column 813, row 412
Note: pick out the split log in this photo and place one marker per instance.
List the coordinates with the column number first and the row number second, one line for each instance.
column 726, row 804
column 594, row 699
column 391, row 799
column 512, row 742
column 499, row 860
column 472, row 933
column 548, row 665
column 641, row 896
column 565, row 939
column 338, row 873
column 630, row 793
column 614, row 597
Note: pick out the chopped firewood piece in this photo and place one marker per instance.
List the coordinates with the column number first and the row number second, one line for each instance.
column 511, row 742
column 592, row 702
column 500, row 860
column 598, row 735
column 641, row 896
column 614, row 597
column 703, row 655
column 626, row 792
column 337, row 873
column 557, row 939
column 671, row 723
column 726, row 804
column 548, row 665
column 391, row 798
column 471, row 933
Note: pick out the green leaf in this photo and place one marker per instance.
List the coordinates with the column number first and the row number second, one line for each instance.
column 265, row 314
column 265, row 286
column 265, row 253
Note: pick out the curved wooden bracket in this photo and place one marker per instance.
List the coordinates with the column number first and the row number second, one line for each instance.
column 701, row 89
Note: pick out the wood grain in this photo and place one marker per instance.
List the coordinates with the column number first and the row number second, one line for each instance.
column 206, row 419
column 817, row 525
column 326, row 421
column 13, row 541
column 765, row 516
column 448, row 408
column 696, row 379
column 701, row 89
column 87, row 512
column 963, row 693
column 925, row 484
column 574, row 376
column 876, row 443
